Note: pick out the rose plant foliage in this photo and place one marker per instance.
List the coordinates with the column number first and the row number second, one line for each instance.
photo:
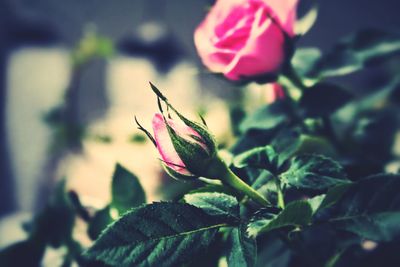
column 305, row 184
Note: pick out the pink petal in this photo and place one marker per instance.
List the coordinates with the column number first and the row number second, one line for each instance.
column 286, row 12
column 264, row 50
column 165, row 146
column 212, row 30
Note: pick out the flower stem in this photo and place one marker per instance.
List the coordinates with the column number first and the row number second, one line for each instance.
column 281, row 200
column 291, row 74
column 234, row 181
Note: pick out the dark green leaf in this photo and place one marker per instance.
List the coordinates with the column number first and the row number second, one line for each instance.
column 55, row 223
column 267, row 117
column 323, row 99
column 24, row 253
column 333, row 195
column 291, row 142
column 314, row 172
column 127, row 192
column 259, row 157
column 273, row 252
column 254, row 138
column 374, row 133
column 355, row 52
column 242, row 249
column 264, row 183
column 382, row 226
column 159, row 234
column 370, row 208
column 214, row 203
column 297, row 213
column 99, row 222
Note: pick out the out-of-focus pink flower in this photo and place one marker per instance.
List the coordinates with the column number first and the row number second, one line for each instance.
column 164, row 142
column 245, row 38
column 274, row 92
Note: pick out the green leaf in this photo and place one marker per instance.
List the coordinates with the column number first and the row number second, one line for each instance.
column 323, row 99
column 273, row 252
column 314, row 172
column 55, row 223
column 159, row 234
column 370, row 208
column 126, row 191
column 364, row 48
column 99, row 222
column 24, row 253
column 291, row 142
column 259, row 157
column 267, row 117
column 305, row 23
column 215, row 204
column 374, row 134
column 333, row 195
column 264, row 183
column 304, row 59
column 295, row 214
column 242, row 249
column 213, row 189
column 316, row 202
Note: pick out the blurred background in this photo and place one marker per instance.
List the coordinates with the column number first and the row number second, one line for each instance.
column 74, row 74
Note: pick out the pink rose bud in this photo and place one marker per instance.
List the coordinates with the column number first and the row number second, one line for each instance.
column 187, row 148
column 274, row 92
column 165, row 145
column 246, row 38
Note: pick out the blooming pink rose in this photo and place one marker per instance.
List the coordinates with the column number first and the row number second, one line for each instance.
column 244, row 38
column 274, row 92
column 164, row 143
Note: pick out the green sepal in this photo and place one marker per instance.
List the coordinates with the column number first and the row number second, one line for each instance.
column 196, row 159
column 201, row 129
column 176, row 175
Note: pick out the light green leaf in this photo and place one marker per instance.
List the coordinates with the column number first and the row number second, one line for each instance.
column 314, row 172
column 296, row 213
column 159, row 234
column 364, row 48
column 214, row 203
column 305, row 23
column 304, row 59
column 315, row 202
column 127, row 192
column 242, row 249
